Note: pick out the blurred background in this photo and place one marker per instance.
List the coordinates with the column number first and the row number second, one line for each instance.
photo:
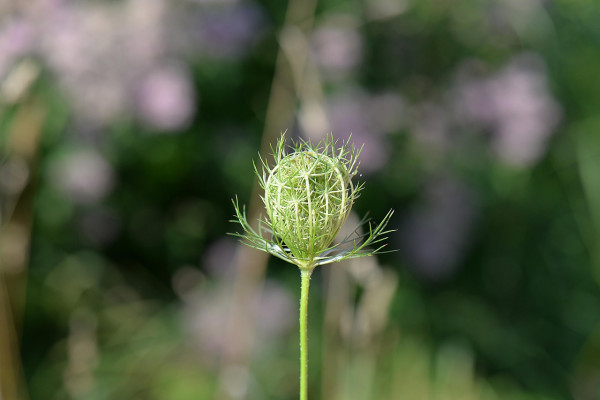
column 127, row 126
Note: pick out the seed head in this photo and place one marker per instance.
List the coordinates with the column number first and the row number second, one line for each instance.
column 308, row 195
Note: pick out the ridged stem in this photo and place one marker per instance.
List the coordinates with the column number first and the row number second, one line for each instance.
column 305, row 274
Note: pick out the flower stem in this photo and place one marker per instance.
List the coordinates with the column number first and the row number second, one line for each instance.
column 305, row 273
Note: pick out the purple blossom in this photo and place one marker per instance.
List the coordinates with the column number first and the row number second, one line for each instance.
column 97, row 51
column 368, row 118
column 436, row 234
column 166, row 99
column 219, row 258
column 514, row 105
column 226, row 31
column 206, row 314
column 16, row 41
column 108, row 58
column 337, row 47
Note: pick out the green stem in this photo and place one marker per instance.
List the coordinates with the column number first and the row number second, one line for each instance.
column 305, row 273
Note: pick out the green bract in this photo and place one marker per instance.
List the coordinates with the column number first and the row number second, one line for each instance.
column 308, row 195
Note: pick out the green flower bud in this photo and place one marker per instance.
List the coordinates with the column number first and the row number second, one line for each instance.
column 308, row 196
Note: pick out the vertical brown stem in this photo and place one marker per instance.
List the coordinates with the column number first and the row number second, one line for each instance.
column 15, row 234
